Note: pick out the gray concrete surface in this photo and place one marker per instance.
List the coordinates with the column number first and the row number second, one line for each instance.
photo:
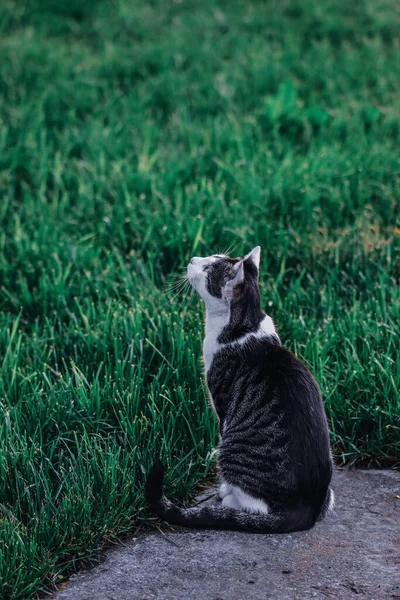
column 353, row 553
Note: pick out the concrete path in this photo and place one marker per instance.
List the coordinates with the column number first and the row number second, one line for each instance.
column 353, row 553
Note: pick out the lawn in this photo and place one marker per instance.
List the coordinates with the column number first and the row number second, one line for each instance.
column 133, row 135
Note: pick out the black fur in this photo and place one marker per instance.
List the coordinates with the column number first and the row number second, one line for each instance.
column 218, row 273
column 154, row 484
column 215, row 516
column 275, row 440
column 274, row 434
column 245, row 311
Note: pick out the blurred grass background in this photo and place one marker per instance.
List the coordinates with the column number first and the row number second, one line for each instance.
column 134, row 135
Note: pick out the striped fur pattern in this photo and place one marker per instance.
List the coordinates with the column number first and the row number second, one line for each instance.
column 274, row 458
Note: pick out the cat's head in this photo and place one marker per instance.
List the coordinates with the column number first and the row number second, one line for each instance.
column 219, row 278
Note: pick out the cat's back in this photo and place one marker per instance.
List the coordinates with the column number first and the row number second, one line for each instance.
column 262, row 363
column 274, row 430
column 264, row 378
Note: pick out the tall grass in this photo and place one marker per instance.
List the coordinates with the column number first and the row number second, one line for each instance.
column 134, row 135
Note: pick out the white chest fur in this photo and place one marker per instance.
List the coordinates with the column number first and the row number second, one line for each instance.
column 215, row 323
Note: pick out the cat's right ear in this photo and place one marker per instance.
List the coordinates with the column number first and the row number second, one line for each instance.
column 254, row 256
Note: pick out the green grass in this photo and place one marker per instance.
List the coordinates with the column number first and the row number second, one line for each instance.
column 133, row 135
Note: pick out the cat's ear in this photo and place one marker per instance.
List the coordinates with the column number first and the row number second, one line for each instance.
column 239, row 274
column 254, row 256
column 237, row 278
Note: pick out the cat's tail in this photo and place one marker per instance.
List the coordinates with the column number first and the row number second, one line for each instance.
column 216, row 516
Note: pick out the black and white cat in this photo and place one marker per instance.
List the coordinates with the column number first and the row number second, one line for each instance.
column 274, row 458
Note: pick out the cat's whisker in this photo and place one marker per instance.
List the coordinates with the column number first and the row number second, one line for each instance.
column 178, row 288
column 175, row 287
column 177, row 283
column 231, row 248
column 186, row 295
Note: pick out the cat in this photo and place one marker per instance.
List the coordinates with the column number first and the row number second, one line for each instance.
column 274, row 458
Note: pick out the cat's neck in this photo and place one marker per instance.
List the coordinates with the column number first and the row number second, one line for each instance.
column 216, row 321
column 220, row 332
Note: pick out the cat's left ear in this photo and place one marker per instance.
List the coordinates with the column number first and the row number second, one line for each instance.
column 254, row 256
column 238, row 278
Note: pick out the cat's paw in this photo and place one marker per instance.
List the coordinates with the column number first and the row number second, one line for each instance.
column 230, row 502
column 224, row 490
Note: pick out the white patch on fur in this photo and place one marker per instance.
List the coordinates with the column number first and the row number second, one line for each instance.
column 215, row 323
column 197, row 277
column 248, row 503
column 230, row 501
column 331, row 504
column 224, row 490
column 267, row 326
column 265, row 329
